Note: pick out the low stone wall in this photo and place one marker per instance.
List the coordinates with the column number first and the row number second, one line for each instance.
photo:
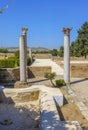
column 19, row 95
column 79, row 70
column 9, row 75
column 33, row 72
column 13, row 74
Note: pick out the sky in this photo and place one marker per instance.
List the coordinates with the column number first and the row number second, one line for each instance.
column 44, row 20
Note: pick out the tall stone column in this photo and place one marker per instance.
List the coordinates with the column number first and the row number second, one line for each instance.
column 67, row 54
column 30, row 54
column 23, row 55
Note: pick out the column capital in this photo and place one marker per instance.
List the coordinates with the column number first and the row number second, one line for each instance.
column 24, row 31
column 66, row 31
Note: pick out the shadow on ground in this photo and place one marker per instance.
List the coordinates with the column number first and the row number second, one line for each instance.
column 78, row 81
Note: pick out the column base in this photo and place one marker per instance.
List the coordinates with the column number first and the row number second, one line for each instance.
column 23, row 83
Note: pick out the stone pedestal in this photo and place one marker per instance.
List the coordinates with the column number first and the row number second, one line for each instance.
column 67, row 54
column 23, row 55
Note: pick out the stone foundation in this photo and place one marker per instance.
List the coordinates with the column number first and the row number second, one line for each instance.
column 13, row 74
column 33, row 72
column 79, row 70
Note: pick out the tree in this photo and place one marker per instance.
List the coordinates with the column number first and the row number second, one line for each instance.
column 50, row 76
column 61, row 51
column 80, row 46
column 16, row 54
column 3, row 50
column 83, row 39
column 54, row 52
column 75, row 49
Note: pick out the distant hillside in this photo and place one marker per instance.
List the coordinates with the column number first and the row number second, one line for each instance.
column 34, row 49
column 39, row 48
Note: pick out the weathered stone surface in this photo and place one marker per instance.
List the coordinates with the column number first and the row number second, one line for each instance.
column 13, row 74
column 9, row 75
column 79, row 70
column 50, row 119
column 33, row 72
column 20, row 95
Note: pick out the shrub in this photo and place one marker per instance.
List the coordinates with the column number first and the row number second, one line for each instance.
column 50, row 76
column 28, row 60
column 7, row 63
column 60, row 83
column 3, row 50
column 16, row 59
column 12, row 61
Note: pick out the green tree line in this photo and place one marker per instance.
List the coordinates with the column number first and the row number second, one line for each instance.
column 79, row 47
column 3, row 50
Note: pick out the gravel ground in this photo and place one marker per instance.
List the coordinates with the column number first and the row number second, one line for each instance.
column 80, row 88
column 20, row 116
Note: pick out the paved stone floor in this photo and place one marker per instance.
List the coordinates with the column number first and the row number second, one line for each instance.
column 80, row 88
column 20, row 116
column 48, row 62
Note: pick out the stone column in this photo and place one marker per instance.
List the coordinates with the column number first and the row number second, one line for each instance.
column 23, row 55
column 67, row 54
column 30, row 54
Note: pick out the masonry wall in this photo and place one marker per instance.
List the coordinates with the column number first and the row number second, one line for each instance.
column 11, row 75
column 79, row 70
column 33, row 72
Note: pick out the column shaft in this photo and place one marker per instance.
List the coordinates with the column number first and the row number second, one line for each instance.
column 67, row 54
column 23, row 52
column 66, row 59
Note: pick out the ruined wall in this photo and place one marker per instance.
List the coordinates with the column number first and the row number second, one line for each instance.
column 9, row 75
column 79, row 70
column 37, row 71
column 13, row 74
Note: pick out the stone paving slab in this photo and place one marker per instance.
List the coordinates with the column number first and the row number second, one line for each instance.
column 54, row 92
column 83, row 109
column 50, row 119
column 79, row 88
column 77, row 96
column 48, row 62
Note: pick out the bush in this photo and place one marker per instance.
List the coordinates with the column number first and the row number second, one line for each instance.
column 50, row 76
column 16, row 60
column 60, row 83
column 3, row 50
column 28, row 60
column 12, row 61
column 7, row 63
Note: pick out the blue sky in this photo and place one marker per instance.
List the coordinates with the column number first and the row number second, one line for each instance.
column 44, row 19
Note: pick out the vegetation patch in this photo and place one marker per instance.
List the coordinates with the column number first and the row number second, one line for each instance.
column 12, row 61
column 60, row 83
